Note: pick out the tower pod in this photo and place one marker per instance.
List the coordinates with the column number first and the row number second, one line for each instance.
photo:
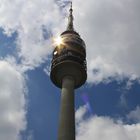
column 69, row 59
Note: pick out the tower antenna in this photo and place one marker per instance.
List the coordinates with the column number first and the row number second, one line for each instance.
column 70, row 19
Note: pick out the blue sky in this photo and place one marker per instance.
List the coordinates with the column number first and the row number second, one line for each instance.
column 107, row 106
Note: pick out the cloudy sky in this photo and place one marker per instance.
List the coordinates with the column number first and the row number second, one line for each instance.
column 107, row 106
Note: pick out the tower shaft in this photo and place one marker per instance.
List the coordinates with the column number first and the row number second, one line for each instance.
column 66, row 129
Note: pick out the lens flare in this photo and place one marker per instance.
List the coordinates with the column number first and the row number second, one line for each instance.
column 87, row 103
column 58, row 41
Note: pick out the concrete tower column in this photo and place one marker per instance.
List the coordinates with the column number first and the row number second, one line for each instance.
column 66, row 129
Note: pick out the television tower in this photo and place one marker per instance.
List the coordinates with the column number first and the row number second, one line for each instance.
column 68, row 72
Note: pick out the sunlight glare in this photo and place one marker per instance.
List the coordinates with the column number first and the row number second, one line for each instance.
column 58, row 41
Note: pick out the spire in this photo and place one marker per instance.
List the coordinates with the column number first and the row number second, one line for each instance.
column 70, row 19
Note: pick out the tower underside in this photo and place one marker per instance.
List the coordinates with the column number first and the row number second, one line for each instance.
column 68, row 68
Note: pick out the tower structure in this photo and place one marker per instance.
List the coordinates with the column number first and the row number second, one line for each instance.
column 68, row 72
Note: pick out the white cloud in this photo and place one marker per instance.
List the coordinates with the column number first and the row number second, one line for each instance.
column 30, row 136
column 31, row 20
column 134, row 115
column 80, row 112
column 104, row 128
column 111, row 31
column 12, row 102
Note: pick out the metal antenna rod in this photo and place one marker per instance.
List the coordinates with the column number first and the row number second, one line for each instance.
column 70, row 19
